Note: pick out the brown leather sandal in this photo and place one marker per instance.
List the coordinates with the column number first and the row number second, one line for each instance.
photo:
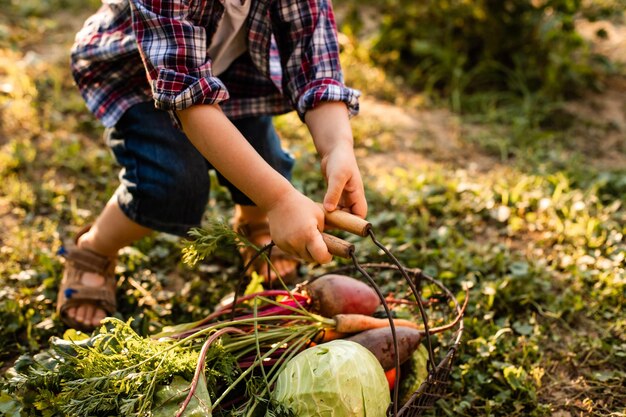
column 73, row 293
column 252, row 232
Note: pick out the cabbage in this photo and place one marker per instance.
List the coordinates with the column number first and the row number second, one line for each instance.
column 336, row 379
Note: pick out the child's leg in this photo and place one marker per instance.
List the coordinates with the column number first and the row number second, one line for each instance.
column 164, row 186
column 109, row 233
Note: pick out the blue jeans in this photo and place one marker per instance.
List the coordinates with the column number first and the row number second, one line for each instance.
column 164, row 181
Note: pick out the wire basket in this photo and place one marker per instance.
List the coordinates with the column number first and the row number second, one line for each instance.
column 435, row 386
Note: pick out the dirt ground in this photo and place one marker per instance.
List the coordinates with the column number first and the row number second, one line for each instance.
column 425, row 135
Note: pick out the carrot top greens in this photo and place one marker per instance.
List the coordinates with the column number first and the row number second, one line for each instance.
column 114, row 372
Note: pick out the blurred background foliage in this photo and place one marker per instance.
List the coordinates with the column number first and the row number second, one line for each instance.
column 480, row 54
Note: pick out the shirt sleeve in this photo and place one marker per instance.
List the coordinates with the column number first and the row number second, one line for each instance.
column 306, row 35
column 173, row 48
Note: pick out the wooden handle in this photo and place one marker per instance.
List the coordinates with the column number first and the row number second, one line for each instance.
column 338, row 247
column 348, row 222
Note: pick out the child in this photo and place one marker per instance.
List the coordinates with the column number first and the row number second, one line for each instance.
column 216, row 70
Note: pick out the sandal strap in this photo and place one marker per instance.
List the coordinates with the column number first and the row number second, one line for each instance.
column 88, row 260
column 72, row 291
column 103, row 297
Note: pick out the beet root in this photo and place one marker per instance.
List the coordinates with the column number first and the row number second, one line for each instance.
column 334, row 294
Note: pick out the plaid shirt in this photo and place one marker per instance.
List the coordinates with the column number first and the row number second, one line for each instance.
column 134, row 51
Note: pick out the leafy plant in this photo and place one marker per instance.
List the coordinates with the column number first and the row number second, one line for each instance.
column 115, row 372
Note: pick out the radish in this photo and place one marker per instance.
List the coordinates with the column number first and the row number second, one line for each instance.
column 334, row 294
column 355, row 323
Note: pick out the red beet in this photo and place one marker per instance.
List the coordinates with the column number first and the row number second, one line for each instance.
column 334, row 294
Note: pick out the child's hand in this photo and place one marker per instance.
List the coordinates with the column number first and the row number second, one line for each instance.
column 296, row 223
column 345, row 186
column 330, row 127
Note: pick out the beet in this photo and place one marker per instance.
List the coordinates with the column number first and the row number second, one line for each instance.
column 334, row 294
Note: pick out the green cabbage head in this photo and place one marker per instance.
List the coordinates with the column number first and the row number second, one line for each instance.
column 335, row 379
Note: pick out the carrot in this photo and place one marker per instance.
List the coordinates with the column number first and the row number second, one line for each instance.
column 334, row 294
column 391, row 377
column 327, row 334
column 380, row 343
column 355, row 323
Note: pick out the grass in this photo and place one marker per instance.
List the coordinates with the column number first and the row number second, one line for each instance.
column 540, row 237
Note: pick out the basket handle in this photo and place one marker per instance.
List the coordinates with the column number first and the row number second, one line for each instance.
column 345, row 221
column 338, row 247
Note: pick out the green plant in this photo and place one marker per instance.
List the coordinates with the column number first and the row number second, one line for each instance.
column 483, row 53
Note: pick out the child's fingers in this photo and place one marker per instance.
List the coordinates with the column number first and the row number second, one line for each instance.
column 318, row 250
column 359, row 207
column 348, row 195
column 356, row 202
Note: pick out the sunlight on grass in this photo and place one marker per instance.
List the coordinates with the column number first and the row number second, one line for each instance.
column 539, row 251
column 17, row 92
column 362, row 74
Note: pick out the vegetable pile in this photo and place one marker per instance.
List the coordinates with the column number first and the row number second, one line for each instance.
column 320, row 349
column 267, row 353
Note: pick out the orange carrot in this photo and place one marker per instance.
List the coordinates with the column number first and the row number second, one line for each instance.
column 328, row 334
column 391, row 377
column 355, row 323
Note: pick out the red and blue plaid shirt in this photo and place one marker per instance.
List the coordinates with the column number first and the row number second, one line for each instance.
column 134, row 51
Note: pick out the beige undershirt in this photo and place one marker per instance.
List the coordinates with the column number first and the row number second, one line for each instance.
column 230, row 38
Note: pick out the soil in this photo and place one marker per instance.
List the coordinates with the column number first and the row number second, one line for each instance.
column 423, row 137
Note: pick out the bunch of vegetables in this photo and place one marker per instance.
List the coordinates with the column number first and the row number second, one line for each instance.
column 316, row 350
column 273, row 352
